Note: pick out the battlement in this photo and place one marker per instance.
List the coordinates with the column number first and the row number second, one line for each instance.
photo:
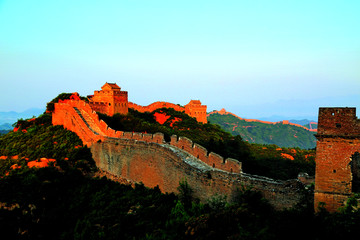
column 338, row 121
column 109, row 92
column 212, row 159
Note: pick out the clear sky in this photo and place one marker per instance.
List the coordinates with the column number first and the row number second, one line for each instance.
column 255, row 58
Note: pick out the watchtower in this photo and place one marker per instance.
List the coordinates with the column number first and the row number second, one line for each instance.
column 109, row 100
column 196, row 110
column 337, row 173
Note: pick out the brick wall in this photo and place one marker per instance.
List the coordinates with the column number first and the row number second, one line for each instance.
column 338, row 139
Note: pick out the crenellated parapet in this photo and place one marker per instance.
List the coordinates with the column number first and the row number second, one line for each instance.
column 212, row 159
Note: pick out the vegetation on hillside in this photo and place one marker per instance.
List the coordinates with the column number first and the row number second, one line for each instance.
column 38, row 138
column 282, row 135
column 2, row 132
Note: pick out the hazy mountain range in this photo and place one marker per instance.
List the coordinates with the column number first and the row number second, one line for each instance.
column 8, row 118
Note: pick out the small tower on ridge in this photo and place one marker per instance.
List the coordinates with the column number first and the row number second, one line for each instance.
column 109, row 100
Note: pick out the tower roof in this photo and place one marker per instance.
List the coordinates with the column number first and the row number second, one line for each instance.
column 112, row 86
column 195, row 102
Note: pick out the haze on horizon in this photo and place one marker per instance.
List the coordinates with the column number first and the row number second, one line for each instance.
column 253, row 58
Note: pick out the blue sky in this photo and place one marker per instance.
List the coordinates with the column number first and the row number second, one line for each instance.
column 254, row 58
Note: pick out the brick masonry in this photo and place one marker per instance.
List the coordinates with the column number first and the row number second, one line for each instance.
column 338, row 144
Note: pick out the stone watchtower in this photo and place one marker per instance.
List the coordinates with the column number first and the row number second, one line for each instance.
column 109, row 100
column 196, row 110
column 337, row 173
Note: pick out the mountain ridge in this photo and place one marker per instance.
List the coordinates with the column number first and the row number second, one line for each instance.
column 290, row 122
column 282, row 133
column 11, row 117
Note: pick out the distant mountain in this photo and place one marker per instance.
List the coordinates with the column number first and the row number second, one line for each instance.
column 283, row 134
column 6, row 126
column 299, row 120
column 302, row 121
column 3, row 132
column 12, row 117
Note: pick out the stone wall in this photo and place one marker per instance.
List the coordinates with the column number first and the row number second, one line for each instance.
column 149, row 159
column 212, row 159
column 165, row 166
column 338, row 142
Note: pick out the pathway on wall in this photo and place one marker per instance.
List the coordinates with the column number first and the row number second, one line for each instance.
column 149, row 159
column 89, row 122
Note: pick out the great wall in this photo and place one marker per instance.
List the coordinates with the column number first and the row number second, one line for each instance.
column 147, row 158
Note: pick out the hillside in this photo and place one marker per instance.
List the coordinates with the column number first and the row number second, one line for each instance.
column 3, row 132
column 283, row 135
